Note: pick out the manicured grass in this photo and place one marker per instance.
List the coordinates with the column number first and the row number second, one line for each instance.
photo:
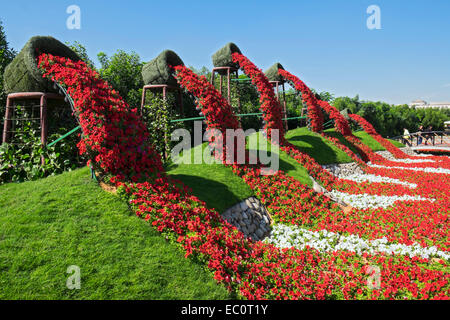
column 369, row 141
column 397, row 144
column 48, row 225
column 340, row 137
column 286, row 163
column 215, row 184
column 316, row 146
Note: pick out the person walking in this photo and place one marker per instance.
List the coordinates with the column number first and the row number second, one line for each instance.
column 419, row 135
column 428, row 134
column 406, row 136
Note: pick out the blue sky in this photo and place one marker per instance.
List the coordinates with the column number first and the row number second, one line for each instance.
column 326, row 42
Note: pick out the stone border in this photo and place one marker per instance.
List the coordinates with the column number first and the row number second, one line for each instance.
column 251, row 218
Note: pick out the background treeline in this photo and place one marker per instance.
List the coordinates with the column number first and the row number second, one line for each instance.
column 389, row 120
column 123, row 71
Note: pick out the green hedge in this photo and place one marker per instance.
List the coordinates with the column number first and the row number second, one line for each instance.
column 157, row 71
column 222, row 57
column 23, row 74
column 272, row 73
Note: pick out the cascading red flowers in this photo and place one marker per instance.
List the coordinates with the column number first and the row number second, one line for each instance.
column 314, row 105
column 114, row 138
column 314, row 113
column 216, row 109
column 270, row 107
column 116, row 141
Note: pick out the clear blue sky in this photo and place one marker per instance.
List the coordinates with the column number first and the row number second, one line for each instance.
column 326, row 43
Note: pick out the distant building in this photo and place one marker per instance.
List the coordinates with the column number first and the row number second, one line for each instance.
column 424, row 104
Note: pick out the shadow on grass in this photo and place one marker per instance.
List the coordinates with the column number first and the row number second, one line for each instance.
column 283, row 165
column 315, row 147
column 344, row 141
column 216, row 195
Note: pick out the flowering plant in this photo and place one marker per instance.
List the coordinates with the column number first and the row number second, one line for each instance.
column 270, row 107
column 114, row 138
column 116, row 141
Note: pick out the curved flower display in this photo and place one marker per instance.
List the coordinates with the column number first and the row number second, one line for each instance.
column 270, row 107
column 114, row 137
column 314, row 112
column 314, row 105
column 216, row 109
column 115, row 140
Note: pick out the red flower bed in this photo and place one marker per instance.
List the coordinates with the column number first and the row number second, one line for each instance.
column 116, row 141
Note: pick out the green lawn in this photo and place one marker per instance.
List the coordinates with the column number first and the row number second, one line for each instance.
column 374, row 144
column 286, row 163
column 316, row 146
column 51, row 224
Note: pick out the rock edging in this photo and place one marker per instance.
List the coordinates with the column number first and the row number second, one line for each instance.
column 250, row 217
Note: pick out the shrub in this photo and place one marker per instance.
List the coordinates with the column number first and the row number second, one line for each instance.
column 157, row 115
column 22, row 159
column 123, row 72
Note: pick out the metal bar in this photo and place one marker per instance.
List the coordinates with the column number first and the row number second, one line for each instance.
column 238, row 92
column 43, row 124
column 144, row 90
column 23, row 119
column 229, row 85
column 43, row 120
column 64, row 136
column 7, row 122
column 35, row 95
column 180, row 96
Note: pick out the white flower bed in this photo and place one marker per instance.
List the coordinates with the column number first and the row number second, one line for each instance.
column 375, row 178
column 365, row 201
column 412, row 160
column 430, row 170
column 284, row 236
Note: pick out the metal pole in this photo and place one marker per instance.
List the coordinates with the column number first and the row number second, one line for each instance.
column 229, row 85
column 7, row 123
column 238, row 92
column 212, row 76
column 284, row 105
column 180, row 97
column 144, row 90
column 164, row 93
column 43, row 116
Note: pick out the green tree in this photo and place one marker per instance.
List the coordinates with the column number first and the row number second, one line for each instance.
column 123, row 72
column 81, row 51
column 7, row 54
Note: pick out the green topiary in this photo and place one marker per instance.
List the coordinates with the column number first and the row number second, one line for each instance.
column 23, row 74
column 222, row 58
column 272, row 73
column 158, row 71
